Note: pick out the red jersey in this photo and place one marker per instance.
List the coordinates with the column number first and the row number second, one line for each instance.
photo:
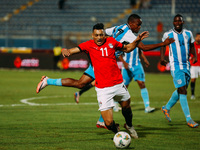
column 197, row 47
column 106, row 70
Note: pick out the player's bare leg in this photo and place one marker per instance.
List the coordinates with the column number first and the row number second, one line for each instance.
column 84, row 89
column 108, row 119
column 69, row 82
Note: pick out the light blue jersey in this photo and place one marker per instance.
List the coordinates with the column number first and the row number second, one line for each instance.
column 179, row 56
column 124, row 34
column 179, row 50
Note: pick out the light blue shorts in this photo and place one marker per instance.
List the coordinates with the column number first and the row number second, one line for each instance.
column 180, row 78
column 90, row 72
column 136, row 72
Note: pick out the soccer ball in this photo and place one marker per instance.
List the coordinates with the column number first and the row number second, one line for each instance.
column 122, row 139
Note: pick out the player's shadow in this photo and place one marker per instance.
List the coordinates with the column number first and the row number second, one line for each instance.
column 144, row 130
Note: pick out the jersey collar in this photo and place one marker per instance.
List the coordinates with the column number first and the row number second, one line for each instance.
column 177, row 32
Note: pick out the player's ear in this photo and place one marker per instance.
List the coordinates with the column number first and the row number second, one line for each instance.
column 92, row 35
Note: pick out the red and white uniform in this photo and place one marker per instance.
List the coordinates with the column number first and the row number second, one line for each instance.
column 109, row 82
column 195, row 68
column 104, row 61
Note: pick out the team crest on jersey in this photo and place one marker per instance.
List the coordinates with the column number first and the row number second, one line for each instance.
column 110, row 45
column 186, row 37
column 179, row 81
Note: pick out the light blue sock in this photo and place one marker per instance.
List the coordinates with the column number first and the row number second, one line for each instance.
column 172, row 101
column 185, row 107
column 101, row 119
column 56, row 82
column 145, row 97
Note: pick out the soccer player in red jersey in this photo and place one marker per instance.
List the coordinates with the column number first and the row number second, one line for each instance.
column 109, row 82
column 195, row 68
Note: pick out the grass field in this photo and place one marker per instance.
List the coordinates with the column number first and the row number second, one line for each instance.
column 51, row 120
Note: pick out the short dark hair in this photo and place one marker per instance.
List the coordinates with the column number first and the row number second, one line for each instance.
column 178, row 15
column 98, row 26
column 132, row 17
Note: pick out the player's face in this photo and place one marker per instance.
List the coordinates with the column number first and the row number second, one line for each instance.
column 197, row 38
column 99, row 36
column 178, row 23
column 135, row 25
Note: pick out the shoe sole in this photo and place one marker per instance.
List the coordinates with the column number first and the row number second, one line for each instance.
column 100, row 126
column 40, row 84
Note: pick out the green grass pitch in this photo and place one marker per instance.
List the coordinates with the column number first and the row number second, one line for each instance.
column 51, row 120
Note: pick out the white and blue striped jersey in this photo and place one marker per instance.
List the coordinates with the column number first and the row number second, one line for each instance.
column 124, row 34
column 180, row 49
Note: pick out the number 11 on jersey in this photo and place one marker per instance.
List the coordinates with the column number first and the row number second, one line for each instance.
column 104, row 51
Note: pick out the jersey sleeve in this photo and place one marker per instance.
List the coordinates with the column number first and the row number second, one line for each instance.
column 164, row 37
column 192, row 37
column 110, row 31
column 118, row 45
column 83, row 47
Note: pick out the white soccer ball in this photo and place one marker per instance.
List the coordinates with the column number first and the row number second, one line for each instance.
column 122, row 139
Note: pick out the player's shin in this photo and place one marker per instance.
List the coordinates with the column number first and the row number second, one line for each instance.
column 173, row 100
column 127, row 113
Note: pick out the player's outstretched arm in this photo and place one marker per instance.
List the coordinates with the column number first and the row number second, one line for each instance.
column 154, row 46
column 162, row 56
column 67, row 52
column 144, row 59
column 130, row 47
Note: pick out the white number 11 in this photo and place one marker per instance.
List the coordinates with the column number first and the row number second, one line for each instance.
column 104, row 51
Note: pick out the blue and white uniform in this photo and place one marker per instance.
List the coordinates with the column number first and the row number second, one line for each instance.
column 124, row 34
column 179, row 56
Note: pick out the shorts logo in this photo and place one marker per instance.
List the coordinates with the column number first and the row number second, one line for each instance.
column 179, row 81
column 110, row 45
column 100, row 103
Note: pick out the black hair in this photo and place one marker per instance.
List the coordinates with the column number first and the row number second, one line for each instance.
column 198, row 33
column 132, row 17
column 178, row 15
column 98, row 26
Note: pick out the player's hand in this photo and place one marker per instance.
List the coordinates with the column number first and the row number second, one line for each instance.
column 163, row 62
column 65, row 52
column 169, row 41
column 143, row 35
column 126, row 65
column 147, row 64
column 194, row 60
